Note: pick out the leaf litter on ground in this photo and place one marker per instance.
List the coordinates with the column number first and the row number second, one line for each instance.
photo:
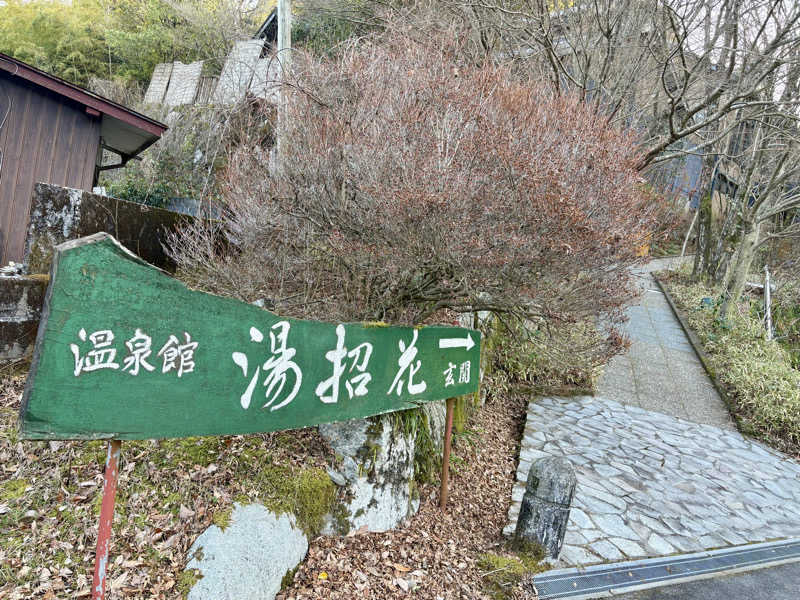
column 171, row 491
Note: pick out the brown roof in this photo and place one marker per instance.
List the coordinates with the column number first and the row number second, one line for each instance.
column 123, row 130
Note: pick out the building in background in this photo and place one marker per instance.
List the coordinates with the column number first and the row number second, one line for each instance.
column 53, row 131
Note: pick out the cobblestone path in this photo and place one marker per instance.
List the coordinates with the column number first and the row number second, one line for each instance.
column 650, row 484
column 660, row 467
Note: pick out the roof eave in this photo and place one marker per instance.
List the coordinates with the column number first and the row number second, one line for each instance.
column 80, row 95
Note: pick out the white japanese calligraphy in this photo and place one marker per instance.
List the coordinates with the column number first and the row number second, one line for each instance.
column 406, row 361
column 177, row 356
column 463, row 372
column 449, row 375
column 328, row 390
column 101, row 356
column 277, row 367
column 138, row 349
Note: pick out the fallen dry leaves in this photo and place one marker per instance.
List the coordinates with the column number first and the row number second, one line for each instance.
column 435, row 554
column 47, row 548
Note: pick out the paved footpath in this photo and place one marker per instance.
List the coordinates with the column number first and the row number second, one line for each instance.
column 660, row 468
column 660, row 371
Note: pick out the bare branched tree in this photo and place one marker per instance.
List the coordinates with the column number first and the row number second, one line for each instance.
column 418, row 185
column 760, row 203
column 674, row 70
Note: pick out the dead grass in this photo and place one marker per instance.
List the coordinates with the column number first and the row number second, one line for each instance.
column 169, row 492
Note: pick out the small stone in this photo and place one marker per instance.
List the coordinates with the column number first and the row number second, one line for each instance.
column 709, row 542
column 575, row 555
column 614, row 526
column 595, row 506
column 574, row 538
column 608, row 499
column 654, row 524
column 731, row 537
column 631, row 549
column 607, row 550
column 777, row 489
column 580, row 518
column 184, row 513
column 517, row 493
column 659, row 544
column 337, row 478
column 684, row 543
column 591, row 534
column 607, row 471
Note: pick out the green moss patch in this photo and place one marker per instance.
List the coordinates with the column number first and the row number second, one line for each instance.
column 222, row 518
column 187, row 580
column 194, row 450
column 502, row 573
column 12, row 490
column 308, row 493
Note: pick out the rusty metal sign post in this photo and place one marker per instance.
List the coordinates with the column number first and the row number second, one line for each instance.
column 448, row 433
column 106, row 519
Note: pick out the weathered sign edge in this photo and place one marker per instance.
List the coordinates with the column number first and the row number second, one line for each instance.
column 58, row 251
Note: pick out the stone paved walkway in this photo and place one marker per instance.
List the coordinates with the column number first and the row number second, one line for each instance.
column 660, row 467
column 650, row 484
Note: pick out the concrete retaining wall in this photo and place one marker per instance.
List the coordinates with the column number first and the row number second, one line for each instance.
column 59, row 214
column 21, row 301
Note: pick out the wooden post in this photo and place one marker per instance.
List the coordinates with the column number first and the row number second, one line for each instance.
column 767, row 303
column 448, row 433
column 106, row 519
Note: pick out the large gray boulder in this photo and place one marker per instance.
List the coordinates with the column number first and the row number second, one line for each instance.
column 545, row 507
column 376, row 468
column 249, row 558
column 436, row 413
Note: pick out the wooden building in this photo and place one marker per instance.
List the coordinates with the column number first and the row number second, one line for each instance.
column 52, row 131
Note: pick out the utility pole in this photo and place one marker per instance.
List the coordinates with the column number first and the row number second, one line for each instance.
column 285, row 60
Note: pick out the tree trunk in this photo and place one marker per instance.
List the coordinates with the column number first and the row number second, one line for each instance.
column 739, row 269
column 705, row 238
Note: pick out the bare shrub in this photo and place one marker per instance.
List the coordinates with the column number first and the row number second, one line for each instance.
column 414, row 185
column 193, row 152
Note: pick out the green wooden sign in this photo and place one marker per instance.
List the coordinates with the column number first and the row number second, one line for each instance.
column 124, row 351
